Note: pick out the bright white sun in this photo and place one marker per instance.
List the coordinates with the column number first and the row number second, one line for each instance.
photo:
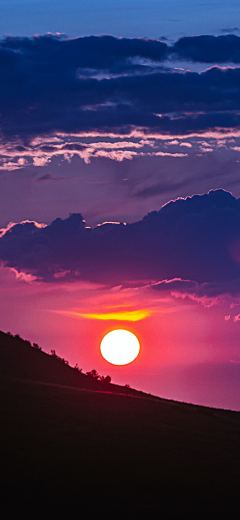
column 120, row 347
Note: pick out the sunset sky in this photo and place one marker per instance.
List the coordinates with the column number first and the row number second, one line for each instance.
column 120, row 187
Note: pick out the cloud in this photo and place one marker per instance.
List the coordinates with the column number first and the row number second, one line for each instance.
column 40, row 161
column 230, row 30
column 41, row 151
column 176, row 285
column 188, row 145
column 135, row 315
column 104, row 84
column 208, row 48
column 191, row 246
column 47, row 177
column 206, row 293
column 168, row 154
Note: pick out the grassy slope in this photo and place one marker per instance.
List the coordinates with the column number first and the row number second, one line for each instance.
column 120, row 451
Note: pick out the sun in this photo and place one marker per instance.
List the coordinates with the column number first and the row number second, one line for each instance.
column 120, row 347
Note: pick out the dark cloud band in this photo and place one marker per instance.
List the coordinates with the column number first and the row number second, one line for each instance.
column 195, row 239
column 101, row 84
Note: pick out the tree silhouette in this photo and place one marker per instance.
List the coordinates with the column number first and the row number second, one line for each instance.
column 93, row 373
column 105, row 379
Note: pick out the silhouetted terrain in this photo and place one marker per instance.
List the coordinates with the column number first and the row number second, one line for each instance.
column 19, row 359
column 65, row 447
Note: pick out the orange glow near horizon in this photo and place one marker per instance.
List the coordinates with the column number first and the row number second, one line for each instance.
column 120, row 347
column 136, row 315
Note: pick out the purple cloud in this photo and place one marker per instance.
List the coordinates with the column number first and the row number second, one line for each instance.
column 208, row 48
column 49, row 84
column 196, row 240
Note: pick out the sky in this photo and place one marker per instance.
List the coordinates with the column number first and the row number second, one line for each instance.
column 119, row 188
column 128, row 18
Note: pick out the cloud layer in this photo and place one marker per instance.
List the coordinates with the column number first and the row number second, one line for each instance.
column 104, row 84
column 196, row 240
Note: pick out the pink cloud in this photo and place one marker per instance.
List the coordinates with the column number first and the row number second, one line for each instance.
column 168, row 154
column 38, row 225
column 21, row 275
column 236, row 318
column 188, row 145
column 40, row 151
column 41, row 161
column 204, row 300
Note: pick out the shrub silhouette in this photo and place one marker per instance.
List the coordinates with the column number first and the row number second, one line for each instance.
column 105, row 379
column 76, row 367
column 93, row 373
column 35, row 345
column 65, row 361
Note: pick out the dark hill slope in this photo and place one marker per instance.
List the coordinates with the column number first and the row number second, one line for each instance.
column 19, row 359
column 106, row 452
column 63, row 448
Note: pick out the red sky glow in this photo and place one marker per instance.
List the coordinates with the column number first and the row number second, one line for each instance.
column 120, row 200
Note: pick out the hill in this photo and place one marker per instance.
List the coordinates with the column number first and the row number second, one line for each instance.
column 18, row 358
column 63, row 447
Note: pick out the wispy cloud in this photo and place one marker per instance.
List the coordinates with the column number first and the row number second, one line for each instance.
column 134, row 315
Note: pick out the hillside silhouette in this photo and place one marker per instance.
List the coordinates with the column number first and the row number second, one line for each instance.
column 64, row 445
column 18, row 358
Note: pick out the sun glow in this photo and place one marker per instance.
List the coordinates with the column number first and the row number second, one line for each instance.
column 120, row 347
column 136, row 315
column 120, row 316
